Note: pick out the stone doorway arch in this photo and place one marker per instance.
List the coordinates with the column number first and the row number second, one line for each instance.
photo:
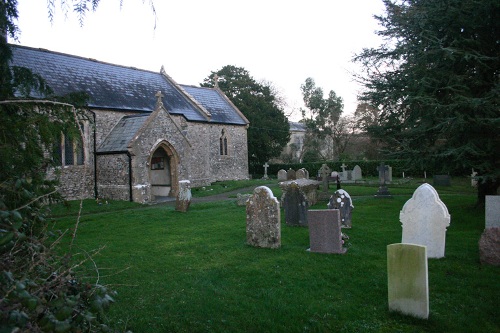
column 163, row 171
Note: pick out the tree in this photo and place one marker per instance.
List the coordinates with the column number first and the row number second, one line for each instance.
column 40, row 290
column 269, row 129
column 328, row 132
column 435, row 81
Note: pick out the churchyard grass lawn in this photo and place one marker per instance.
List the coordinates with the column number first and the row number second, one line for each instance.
column 193, row 272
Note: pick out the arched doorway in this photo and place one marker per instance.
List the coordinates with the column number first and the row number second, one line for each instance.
column 163, row 171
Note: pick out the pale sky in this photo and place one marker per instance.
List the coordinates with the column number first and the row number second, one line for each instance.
column 280, row 41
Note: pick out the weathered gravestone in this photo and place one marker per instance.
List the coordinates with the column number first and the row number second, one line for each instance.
column 291, row 174
column 282, row 175
column 492, row 211
column 325, row 172
column 263, row 219
column 407, row 279
column 489, row 246
column 441, row 180
column 425, row 219
column 325, row 233
column 341, row 200
column 265, row 171
column 356, row 173
column 308, row 186
column 183, row 199
column 241, row 199
column 300, row 174
column 383, row 172
column 295, row 205
column 306, row 173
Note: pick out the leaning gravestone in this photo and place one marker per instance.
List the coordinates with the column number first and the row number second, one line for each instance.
column 325, row 233
column 341, row 200
column 295, row 205
column 282, row 175
column 425, row 219
column 407, row 279
column 263, row 219
column 183, row 199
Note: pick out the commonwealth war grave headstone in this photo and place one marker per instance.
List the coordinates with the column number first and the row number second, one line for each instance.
column 263, row 219
column 424, row 220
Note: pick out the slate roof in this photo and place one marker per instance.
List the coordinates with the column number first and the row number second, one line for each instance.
column 121, row 88
column 297, row 127
column 119, row 137
column 215, row 103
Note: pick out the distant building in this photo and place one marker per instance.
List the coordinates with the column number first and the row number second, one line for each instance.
column 294, row 150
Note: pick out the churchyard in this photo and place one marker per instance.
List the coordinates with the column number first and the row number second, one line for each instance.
column 194, row 271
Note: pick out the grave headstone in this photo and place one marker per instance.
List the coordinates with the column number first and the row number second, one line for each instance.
column 489, row 246
column 241, row 199
column 282, row 175
column 407, row 280
column 324, row 171
column 424, row 220
column 473, row 178
column 325, row 233
column 295, row 205
column 341, row 200
column 291, row 174
column 306, row 172
column 492, row 211
column 356, row 173
column 300, row 174
column 441, row 180
column 183, row 199
column 263, row 219
column 383, row 175
column 265, row 171
column 308, row 186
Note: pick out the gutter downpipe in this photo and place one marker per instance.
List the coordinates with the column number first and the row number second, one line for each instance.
column 96, row 191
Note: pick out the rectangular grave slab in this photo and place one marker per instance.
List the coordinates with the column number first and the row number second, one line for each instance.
column 325, row 234
column 407, row 279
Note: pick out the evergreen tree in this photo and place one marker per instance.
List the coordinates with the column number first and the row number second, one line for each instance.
column 435, row 81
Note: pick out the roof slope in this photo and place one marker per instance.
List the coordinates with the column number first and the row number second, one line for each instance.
column 112, row 86
column 120, row 136
column 220, row 108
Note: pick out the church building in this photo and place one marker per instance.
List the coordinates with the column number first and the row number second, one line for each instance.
column 146, row 132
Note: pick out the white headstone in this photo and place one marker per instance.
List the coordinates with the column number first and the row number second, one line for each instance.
column 407, row 280
column 356, row 173
column 425, row 219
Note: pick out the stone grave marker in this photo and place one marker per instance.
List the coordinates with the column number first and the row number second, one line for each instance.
column 300, row 174
column 241, row 199
column 263, row 219
column 489, row 246
column 325, row 172
column 356, row 173
column 341, row 200
column 383, row 175
column 295, row 206
column 183, row 199
column 291, row 174
column 282, row 175
column 473, row 178
column 492, row 211
column 306, row 173
column 424, row 219
column 441, row 180
column 325, row 233
column 265, row 171
column 407, row 279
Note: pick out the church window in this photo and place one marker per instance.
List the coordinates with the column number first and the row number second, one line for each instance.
column 223, row 143
column 69, row 151
column 157, row 163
